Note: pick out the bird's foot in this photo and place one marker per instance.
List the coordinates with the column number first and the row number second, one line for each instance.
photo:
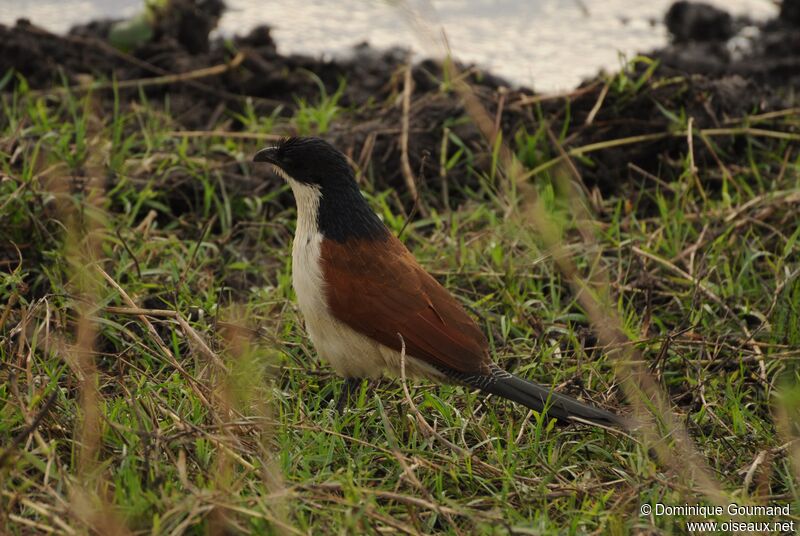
column 349, row 387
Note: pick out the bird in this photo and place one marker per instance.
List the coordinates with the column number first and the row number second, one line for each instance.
column 370, row 308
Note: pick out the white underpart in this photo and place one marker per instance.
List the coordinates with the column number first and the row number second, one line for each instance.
column 350, row 353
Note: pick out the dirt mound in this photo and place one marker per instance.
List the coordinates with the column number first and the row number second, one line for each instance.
column 717, row 69
column 697, row 21
column 268, row 79
column 710, row 42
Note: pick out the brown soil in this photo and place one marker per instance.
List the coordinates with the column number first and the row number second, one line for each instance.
column 709, row 83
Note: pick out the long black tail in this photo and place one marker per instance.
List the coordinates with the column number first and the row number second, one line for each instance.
column 562, row 407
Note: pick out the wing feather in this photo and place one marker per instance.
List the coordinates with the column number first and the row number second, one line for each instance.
column 381, row 295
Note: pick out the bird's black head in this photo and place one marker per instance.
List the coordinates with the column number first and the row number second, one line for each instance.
column 311, row 161
column 323, row 181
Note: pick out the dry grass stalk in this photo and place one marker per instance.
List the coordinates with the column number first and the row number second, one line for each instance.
column 641, row 390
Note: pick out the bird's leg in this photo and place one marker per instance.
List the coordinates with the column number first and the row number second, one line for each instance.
column 349, row 387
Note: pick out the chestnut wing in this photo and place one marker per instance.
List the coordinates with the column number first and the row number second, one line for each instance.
column 379, row 289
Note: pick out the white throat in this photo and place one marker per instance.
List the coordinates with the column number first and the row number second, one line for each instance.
column 307, row 198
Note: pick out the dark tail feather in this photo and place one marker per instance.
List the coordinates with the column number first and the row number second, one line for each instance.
column 561, row 407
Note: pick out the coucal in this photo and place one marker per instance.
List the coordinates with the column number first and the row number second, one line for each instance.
column 360, row 290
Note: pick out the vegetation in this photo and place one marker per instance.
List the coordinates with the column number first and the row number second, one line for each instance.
column 155, row 376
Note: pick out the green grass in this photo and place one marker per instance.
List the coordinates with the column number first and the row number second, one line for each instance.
column 217, row 416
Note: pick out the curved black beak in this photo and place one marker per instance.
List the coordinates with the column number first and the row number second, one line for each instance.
column 266, row 155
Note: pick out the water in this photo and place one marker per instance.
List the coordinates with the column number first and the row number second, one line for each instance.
column 547, row 44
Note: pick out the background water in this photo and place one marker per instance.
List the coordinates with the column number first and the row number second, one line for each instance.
column 546, row 44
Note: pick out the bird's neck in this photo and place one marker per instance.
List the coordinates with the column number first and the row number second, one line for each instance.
column 308, row 202
column 339, row 214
